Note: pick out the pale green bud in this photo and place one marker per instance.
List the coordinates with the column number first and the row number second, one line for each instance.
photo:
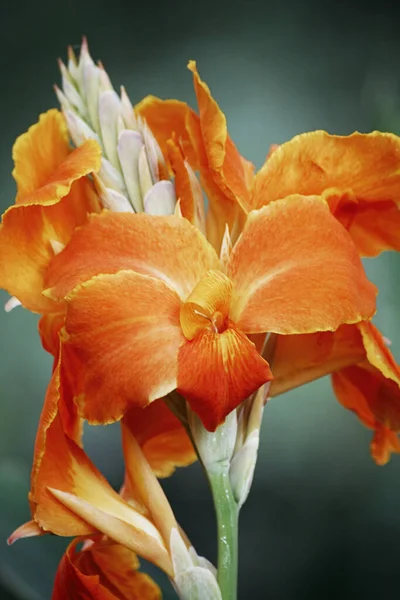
column 214, row 447
column 192, row 580
column 242, row 467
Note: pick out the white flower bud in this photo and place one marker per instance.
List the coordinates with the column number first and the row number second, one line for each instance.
column 78, row 129
column 130, row 143
column 242, row 467
column 214, row 447
column 109, row 107
column 160, row 199
column 191, row 581
column 111, row 199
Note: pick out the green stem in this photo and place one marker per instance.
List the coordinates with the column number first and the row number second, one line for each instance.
column 227, row 512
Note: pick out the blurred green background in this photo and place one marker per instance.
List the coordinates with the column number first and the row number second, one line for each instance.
column 322, row 520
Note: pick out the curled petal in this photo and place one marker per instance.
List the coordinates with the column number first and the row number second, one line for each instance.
column 296, row 270
column 228, row 169
column 161, row 247
column 217, row 371
column 383, row 444
column 53, row 198
column 26, row 236
column 358, row 174
column 45, row 167
column 102, row 570
column 123, row 341
column 167, row 119
column 28, row 529
column 162, row 437
column 82, row 161
column 38, row 153
column 222, row 210
column 207, row 306
column 371, row 389
column 188, row 190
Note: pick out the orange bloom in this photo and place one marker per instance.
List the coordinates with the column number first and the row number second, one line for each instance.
column 102, row 570
column 358, row 175
column 151, row 299
column 365, row 376
column 54, row 197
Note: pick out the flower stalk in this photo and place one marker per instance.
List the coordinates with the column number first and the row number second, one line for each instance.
column 227, row 512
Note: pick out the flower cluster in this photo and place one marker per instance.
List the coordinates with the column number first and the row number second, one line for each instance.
column 177, row 315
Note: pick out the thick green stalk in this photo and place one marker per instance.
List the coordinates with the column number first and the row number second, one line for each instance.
column 227, row 512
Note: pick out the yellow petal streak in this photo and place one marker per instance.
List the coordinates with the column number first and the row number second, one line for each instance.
column 207, row 306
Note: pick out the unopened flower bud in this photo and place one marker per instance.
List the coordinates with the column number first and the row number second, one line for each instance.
column 214, row 447
column 242, row 467
column 191, row 581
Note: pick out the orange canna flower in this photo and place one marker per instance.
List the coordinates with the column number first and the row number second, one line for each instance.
column 102, row 570
column 148, row 298
column 358, row 175
column 365, row 376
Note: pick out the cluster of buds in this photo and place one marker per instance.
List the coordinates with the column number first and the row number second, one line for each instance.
column 133, row 176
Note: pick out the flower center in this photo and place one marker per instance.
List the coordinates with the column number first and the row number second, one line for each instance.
column 207, row 306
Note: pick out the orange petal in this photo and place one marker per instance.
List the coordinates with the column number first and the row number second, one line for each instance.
column 296, row 270
column 371, row 389
column 49, row 329
column 26, row 234
column 102, row 570
column 28, row 529
column 383, row 444
column 81, row 162
column 363, row 169
column 222, row 211
column 187, row 187
column 374, row 226
column 167, row 119
column 123, row 336
column 229, row 171
column 70, row 497
column 38, row 153
column 161, row 247
column 161, row 436
column 299, row 359
column 217, row 371
column 144, row 486
column 45, row 167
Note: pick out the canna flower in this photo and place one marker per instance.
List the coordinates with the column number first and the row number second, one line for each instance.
column 102, row 570
column 365, row 376
column 358, row 175
column 158, row 310
column 54, row 196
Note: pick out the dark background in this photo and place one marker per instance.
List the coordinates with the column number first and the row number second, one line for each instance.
column 322, row 520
